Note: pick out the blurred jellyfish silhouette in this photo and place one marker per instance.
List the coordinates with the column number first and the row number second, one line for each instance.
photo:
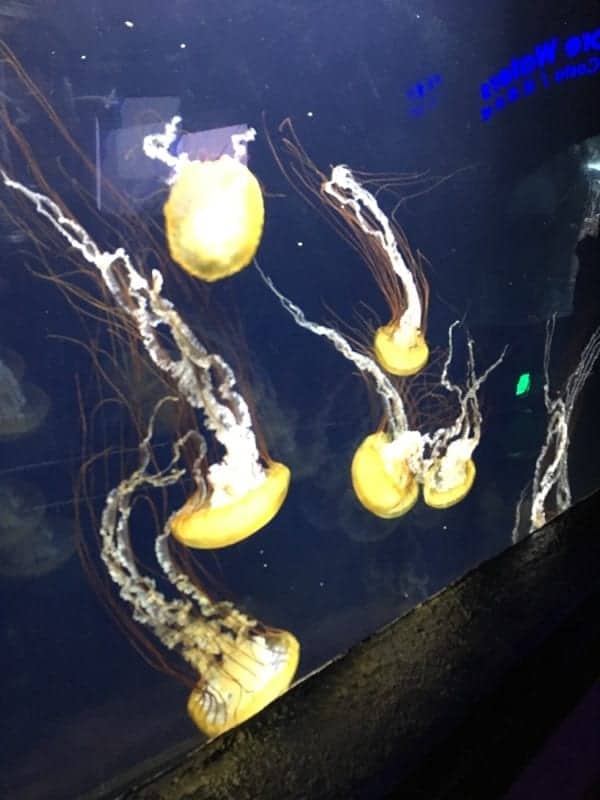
column 32, row 543
column 23, row 406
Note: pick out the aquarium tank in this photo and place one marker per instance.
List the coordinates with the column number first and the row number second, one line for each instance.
column 298, row 324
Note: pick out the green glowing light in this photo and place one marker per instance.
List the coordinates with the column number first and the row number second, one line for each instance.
column 523, row 384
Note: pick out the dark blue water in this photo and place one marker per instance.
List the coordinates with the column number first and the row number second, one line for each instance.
column 380, row 86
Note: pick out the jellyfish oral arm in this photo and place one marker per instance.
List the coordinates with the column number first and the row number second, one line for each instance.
column 391, row 399
column 157, row 147
column 448, row 471
column 193, row 372
column 239, row 142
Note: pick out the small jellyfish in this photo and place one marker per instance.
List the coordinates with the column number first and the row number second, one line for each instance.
column 399, row 345
column 23, row 406
column 42, row 551
column 22, row 509
column 215, row 211
column 354, row 211
column 32, row 544
column 383, row 480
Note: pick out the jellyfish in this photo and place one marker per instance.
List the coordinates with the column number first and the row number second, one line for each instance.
column 215, row 211
column 32, row 543
column 22, row 510
column 239, row 495
column 23, row 406
column 391, row 464
column 41, row 552
column 240, row 664
column 400, row 346
column 448, row 470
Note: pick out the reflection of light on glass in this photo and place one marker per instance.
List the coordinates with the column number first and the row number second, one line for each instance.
column 550, row 492
column 523, row 384
column 120, row 155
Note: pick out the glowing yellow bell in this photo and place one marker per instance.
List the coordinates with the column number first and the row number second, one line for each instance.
column 385, row 486
column 445, row 498
column 247, row 674
column 205, row 526
column 400, row 355
column 214, row 217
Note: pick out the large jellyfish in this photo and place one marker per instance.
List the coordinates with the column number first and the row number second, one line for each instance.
column 241, row 665
column 399, row 345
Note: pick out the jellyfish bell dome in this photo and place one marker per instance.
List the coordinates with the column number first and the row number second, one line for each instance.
column 214, row 217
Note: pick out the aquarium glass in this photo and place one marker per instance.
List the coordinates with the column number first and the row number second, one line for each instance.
column 299, row 323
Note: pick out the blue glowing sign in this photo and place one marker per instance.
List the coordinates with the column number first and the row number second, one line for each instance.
column 423, row 95
column 548, row 63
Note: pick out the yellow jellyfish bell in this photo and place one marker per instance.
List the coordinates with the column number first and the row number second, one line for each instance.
column 247, row 676
column 437, row 495
column 382, row 480
column 400, row 355
column 214, row 217
column 200, row 524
